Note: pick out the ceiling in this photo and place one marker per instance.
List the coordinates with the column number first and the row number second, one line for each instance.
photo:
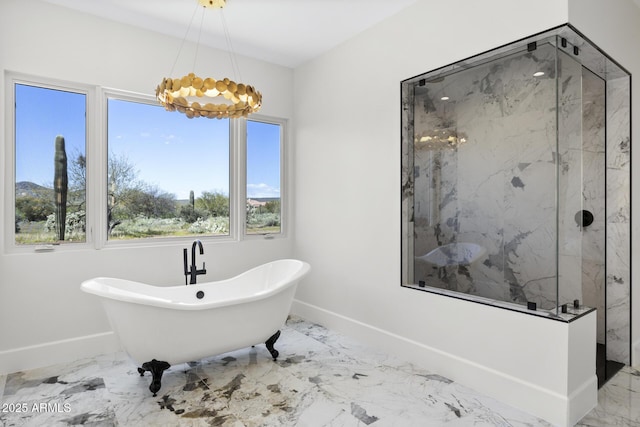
column 284, row 32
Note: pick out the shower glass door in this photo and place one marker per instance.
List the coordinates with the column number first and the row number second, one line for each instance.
column 485, row 178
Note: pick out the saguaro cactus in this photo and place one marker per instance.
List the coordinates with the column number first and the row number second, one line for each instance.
column 192, row 202
column 60, row 186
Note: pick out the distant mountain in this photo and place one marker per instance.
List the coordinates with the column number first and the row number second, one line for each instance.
column 26, row 188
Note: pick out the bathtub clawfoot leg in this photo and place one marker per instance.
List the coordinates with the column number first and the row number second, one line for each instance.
column 157, row 368
column 270, row 342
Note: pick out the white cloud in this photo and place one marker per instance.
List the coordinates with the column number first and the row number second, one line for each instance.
column 168, row 138
column 262, row 190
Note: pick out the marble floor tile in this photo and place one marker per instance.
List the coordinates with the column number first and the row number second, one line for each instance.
column 321, row 378
column 618, row 402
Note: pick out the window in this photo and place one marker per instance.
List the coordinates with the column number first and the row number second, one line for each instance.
column 167, row 175
column 263, row 178
column 50, row 140
column 135, row 172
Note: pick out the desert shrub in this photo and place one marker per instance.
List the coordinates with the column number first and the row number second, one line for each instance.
column 190, row 215
column 211, row 225
column 75, row 225
column 142, row 226
column 259, row 220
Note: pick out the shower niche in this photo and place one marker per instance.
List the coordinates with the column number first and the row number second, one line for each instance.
column 516, row 182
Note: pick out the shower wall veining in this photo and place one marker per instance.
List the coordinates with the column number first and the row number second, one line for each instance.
column 498, row 189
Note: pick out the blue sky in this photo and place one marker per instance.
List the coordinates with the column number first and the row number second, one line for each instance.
column 170, row 151
column 263, row 159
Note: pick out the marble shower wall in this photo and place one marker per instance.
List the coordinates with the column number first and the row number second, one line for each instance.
column 510, row 189
column 618, row 246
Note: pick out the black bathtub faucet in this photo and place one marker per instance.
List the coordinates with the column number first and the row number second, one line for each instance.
column 192, row 272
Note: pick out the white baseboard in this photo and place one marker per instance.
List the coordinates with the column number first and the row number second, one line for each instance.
column 581, row 402
column 558, row 409
column 52, row 353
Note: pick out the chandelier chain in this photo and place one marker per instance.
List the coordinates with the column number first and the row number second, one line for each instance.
column 184, row 39
column 232, row 56
column 195, row 57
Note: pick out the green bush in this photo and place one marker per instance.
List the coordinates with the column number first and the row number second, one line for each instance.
column 214, row 203
column 190, row 215
column 148, row 202
column 33, row 208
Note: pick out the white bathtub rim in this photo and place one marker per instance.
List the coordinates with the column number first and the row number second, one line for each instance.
column 97, row 286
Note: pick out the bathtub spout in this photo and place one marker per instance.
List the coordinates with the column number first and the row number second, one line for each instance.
column 193, row 271
column 157, row 368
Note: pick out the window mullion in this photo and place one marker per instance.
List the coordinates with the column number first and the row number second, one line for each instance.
column 238, row 174
column 97, row 173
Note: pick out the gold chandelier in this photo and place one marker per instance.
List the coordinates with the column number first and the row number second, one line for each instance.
column 189, row 94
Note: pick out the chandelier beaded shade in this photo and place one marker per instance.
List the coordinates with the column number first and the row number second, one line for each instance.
column 207, row 97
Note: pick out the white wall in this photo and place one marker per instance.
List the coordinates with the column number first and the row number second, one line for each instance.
column 43, row 314
column 347, row 135
column 347, row 138
column 614, row 26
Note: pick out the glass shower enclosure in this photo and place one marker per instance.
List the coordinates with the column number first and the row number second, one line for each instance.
column 515, row 179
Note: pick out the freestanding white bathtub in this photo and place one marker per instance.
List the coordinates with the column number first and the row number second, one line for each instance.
column 161, row 326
